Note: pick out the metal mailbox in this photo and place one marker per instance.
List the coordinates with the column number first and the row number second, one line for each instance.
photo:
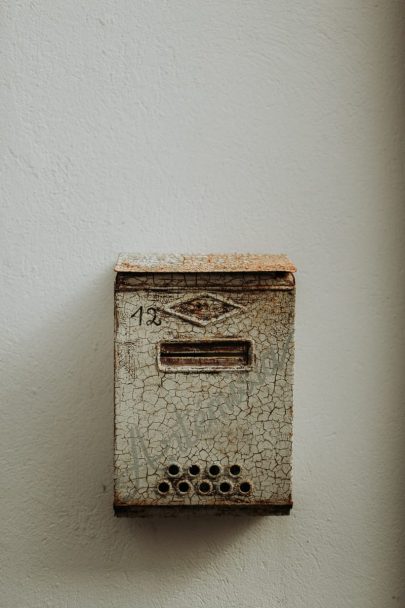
column 203, row 384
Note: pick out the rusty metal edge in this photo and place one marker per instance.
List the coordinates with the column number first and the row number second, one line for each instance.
column 214, row 262
column 200, row 510
column 121, row 286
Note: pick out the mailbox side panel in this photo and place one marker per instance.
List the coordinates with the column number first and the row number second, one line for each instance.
column 174, row 413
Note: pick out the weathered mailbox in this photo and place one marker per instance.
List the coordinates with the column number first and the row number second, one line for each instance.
column 203, row 383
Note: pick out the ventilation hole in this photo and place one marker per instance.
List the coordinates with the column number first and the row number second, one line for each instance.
column 205, row 487
column 194, row 470
column 245, row 487
column 234, row 470
column 183, row 487
column 225, row 487
column 164, row 487
column 214, row 470
column 173, row 469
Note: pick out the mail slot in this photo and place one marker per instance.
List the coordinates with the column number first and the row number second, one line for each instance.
column 205, row 355
column 204, row 351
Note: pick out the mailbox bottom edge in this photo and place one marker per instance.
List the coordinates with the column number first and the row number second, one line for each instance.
column 175, row 510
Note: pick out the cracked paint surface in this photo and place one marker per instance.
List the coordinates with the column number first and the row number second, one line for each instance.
column 225, row 417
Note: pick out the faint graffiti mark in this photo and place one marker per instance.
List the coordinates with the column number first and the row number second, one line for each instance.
column 185, row 435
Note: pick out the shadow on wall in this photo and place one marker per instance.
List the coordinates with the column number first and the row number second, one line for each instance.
column 69, row 458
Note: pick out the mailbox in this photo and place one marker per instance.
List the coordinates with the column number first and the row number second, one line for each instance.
column 203, row 384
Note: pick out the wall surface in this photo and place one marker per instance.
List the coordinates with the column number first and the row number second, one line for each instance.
column 201, row 126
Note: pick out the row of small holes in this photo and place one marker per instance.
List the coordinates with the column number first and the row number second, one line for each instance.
column 174, row 470
column 204, row 487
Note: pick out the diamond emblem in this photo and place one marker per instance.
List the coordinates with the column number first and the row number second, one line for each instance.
column 203, row 308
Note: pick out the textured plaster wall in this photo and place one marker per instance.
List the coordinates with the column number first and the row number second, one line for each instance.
column 200, row 126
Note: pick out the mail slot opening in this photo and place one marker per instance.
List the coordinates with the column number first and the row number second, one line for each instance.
column 208, row 355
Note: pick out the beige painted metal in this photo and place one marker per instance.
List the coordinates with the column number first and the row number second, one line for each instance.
column 203, row 388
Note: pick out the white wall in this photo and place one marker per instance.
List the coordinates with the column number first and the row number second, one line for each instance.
column 201, row 126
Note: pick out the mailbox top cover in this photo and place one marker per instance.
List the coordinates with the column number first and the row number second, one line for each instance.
column 210, row 262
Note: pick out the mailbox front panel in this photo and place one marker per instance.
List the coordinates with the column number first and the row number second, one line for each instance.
column 203, row 392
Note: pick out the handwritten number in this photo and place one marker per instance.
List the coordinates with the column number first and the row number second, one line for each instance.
column 154, row 320
column 140, row 312
column 152, row 312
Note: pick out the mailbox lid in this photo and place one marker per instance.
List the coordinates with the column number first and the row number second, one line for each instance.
column 206, row 263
